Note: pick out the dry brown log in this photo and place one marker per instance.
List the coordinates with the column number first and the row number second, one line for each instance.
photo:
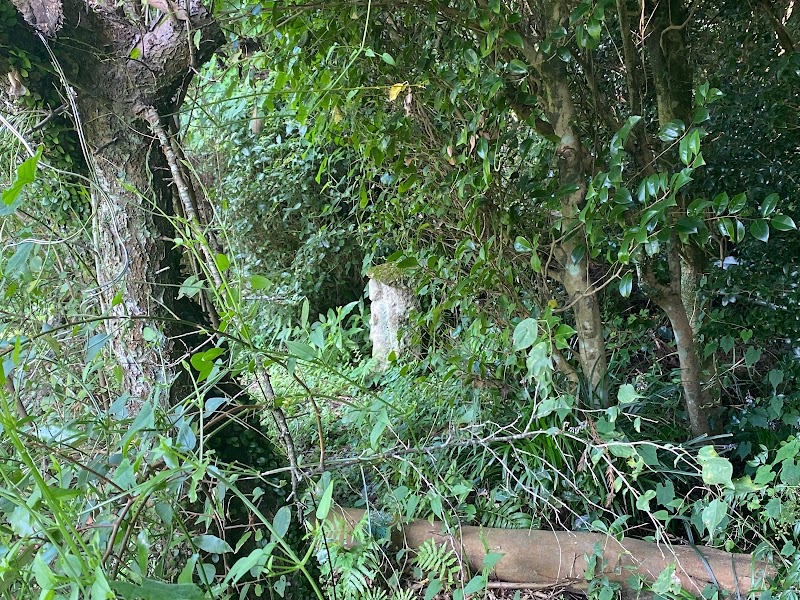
column 559, row 557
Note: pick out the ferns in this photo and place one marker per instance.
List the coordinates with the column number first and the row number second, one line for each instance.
column 502, row 512
column 438, row 561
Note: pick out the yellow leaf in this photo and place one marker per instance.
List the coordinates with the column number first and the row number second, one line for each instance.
column 395, row 90
column 337, row 115
column 552, row 304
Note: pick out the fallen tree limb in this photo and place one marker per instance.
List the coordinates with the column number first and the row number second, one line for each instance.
column 554, row 558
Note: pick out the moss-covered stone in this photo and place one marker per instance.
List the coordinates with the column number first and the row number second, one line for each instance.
column 387, row 273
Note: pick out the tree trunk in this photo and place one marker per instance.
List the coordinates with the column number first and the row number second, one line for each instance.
column 672, row 75
column 117, row 66
column 572, row 254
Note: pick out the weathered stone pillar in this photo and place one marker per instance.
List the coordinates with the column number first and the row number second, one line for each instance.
column 391, row 304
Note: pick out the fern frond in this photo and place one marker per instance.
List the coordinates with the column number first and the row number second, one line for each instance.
column 439, row 562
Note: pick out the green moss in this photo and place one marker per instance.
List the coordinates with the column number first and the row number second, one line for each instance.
column 386, row 273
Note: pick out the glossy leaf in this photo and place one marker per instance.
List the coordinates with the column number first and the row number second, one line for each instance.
column 759, row 229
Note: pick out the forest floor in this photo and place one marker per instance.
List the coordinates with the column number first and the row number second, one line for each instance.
column 502, row 591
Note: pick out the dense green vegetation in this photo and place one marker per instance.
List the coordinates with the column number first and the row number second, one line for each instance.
column 593, row 204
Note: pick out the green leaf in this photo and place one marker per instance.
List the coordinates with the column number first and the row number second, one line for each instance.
column 775, row 377
column 381, row 423
column 667, row 584
column 521, row 244
column 223, row 262
column 626, row 285
column 752, row 356
column 434, row 587
column 769, row 204
column 514, row 39
column 643, row 501
column 737, row 203
column 720, row 203
column 672, row 131
column 281, row 521
column 150, row 589
column 26, row 173
column 204, row 361
column 627, row 394
column 759, row 229
column 713, row 514
column 387, row 58
column 301, row 350
column 715, row 469
column 727, row 228
column 407, row 263
column 18, row 262
column 517, row 67
column 325, row 502
column 525, row 334
column 258, row 282
column 474, row 585
column 100, row 588
column 94, row 345
column 783, row 223
column 212, row 544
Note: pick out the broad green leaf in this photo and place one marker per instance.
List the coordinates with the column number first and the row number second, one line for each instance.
column 715, row 469
column 259, row 282
column 145, row 420
column 18, row 263
column 626, row 285
column 281, row 521
column 525, row 334
column 223, row 262
column 643, row 501
column 752, row 356
column 474, row 585
column 381, row 423
column 775, row 377
column 517, row 67
column 513, row 38
column 301, row 350
column 737, row 203
column 94, row 345
column 212, row 544
column 720, row 203
column 759, row 229
column 667, row 584
column 521, row 244
column 769, row 204
column 100, row 587
column 713, row 514
column 627, row 394
column 434, row 587
column 783, row 223
column 672, row 131
column 727, row 228
column 387, row 58
column 407, row 263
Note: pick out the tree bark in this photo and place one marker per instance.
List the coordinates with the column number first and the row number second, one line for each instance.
column 672, row 74
column 118, row 67
column 572, row 254
column 560, row 558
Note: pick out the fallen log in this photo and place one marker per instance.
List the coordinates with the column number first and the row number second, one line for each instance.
column 558, row 558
